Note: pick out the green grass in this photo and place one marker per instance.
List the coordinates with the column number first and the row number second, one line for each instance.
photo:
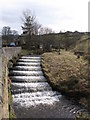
column 30, row 52
column 25, row 52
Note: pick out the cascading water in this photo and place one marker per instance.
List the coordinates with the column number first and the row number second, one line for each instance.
column 32, row 95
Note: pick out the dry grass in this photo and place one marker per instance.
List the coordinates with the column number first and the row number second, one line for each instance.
column 67, row 73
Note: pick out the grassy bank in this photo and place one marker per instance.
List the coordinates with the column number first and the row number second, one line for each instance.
column 31, row 52
column 68, row 74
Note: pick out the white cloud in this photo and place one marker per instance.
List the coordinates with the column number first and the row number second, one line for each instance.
column 57, row 14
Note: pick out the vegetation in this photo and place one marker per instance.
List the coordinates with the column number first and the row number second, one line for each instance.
column 83, row 45
column 11, row 110
column 30, row 52
column 81, row 116
column 67, row 74
column 67, row 40
column 9, row 36
column 30, row 25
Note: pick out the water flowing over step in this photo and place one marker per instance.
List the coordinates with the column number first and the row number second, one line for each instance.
column 29, row 87
column 33, row 97
column 29, row 60
column 28, row 63
column 28, row 68
column 27, row 73
column 28, row 79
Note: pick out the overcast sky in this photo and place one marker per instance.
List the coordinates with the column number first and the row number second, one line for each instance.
column 60, row 15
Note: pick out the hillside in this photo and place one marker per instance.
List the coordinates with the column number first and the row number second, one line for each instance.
column 82, row 44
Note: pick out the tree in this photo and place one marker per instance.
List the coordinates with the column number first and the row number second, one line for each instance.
column 37, row 26
column 14, row 32
column 30, row 26
column 48, row 30
column 45, row 30
column 6, row 30
column 9, row 35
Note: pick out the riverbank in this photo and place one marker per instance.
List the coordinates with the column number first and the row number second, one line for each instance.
column 33, row 96
column 67, row 74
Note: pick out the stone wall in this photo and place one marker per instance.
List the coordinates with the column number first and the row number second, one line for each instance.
column 10, row 52
column 7, row 54
column 0, row 87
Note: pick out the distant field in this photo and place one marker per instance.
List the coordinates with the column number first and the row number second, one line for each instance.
column 83, row 44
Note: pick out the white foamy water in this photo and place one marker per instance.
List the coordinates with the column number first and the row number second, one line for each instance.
column 33, row 85
column 40, row 86
column 31, row 80
column 29, row 57
column 30, row 60
column 28, row 67
column 28, row 63
column 29, row 77
column 36, row 98
column 16, row 72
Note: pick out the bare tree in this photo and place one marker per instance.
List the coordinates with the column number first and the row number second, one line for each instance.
column 45, row 30
column 6, row 30
column 30, row 26
column 41, row 31
column 14, row 32
column 8, row 35
column 37, row 26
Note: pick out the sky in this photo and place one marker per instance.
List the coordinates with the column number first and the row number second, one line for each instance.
column 59, row 15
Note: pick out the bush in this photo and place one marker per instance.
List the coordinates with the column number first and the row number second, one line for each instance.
column 87, row 57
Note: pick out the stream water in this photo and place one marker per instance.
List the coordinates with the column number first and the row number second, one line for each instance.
column 32, row 95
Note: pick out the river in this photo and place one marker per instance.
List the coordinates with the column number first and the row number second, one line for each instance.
column 33, row 97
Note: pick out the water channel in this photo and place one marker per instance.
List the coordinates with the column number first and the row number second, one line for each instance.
column 33, row 97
